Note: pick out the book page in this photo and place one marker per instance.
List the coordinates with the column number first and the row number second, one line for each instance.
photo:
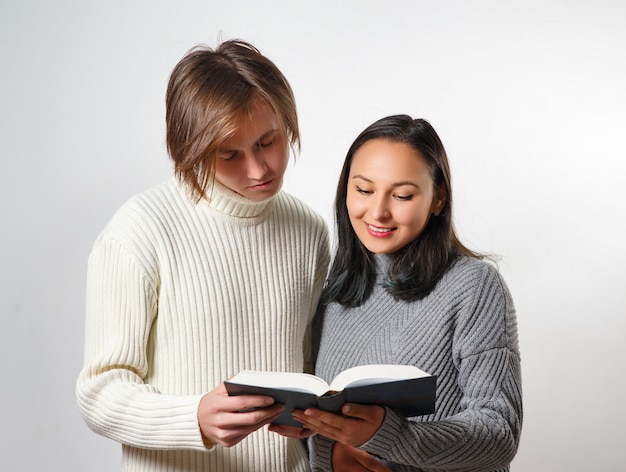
column 372, row 374
column 298, row 382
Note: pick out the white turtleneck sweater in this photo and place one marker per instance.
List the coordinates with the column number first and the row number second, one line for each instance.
column 180, row 297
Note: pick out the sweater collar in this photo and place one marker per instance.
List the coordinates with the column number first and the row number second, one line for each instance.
column 224, row 201
column 383, row 261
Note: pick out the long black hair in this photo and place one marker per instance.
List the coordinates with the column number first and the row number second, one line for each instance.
column 416, row 268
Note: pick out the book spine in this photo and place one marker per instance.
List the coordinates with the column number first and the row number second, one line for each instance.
column 332, row 402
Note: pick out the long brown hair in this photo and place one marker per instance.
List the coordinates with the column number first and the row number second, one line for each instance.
column 416, row 268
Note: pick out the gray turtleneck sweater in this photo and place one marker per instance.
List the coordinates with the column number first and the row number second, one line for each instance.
column 465, row 333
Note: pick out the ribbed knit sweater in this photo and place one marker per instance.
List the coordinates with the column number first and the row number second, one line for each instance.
column 465, row 333
column 180, row 297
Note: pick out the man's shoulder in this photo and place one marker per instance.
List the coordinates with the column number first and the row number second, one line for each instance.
column 298, row 209
column 146, row 209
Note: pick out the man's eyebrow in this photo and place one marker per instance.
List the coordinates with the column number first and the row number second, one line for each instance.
column 268, row 134
column 224, row 149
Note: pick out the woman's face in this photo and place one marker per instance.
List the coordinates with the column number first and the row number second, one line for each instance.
column 253, row 161
column 390, row 195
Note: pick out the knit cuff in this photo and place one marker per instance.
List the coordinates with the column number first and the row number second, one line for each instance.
column 321, row 453
column 385, row 439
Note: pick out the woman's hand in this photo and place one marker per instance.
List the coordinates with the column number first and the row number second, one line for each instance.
column 356, row 426
column 349, row 459
column 227, row 420
column 290, row 431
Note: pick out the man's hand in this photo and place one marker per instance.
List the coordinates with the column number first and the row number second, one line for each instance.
column 226, row 420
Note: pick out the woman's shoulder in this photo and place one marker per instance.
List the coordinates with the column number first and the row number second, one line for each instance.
column 475, row 279
column 467, row 274
column 468, row 266
column 484, row 299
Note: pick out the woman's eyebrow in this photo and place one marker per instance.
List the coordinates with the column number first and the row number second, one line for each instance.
column 395, row 184
column 362, row 177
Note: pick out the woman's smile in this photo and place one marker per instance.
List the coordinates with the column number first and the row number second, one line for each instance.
column 379, row 231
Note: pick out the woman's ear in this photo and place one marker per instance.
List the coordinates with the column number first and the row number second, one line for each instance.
column 439, row 201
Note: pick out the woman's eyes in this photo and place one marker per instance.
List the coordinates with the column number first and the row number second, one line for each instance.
column 403, row 198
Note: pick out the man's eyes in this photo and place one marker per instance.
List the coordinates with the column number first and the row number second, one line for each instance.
column 227, row 156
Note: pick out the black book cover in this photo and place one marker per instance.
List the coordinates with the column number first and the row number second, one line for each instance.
column 411, row 397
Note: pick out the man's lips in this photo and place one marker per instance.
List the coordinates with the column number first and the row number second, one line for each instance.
column 261, row 186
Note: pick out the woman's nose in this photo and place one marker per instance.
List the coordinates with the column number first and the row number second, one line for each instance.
column 380, row 209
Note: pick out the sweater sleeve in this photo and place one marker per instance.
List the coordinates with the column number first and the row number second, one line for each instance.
column 111, row 393
column 484, row 434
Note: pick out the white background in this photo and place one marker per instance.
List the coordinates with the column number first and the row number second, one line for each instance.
column 528, row 96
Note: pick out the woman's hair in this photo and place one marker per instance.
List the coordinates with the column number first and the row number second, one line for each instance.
column 206, row 94
column 415, row 269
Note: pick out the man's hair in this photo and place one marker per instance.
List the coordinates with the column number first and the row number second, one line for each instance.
column 208, row 91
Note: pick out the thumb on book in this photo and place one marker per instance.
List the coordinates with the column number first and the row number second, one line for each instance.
column 373, row 414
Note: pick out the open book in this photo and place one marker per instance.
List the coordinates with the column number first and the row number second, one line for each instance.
column 403, row 388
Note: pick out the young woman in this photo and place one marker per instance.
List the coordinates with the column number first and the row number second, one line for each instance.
column 213, row 271
column 402, row 289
